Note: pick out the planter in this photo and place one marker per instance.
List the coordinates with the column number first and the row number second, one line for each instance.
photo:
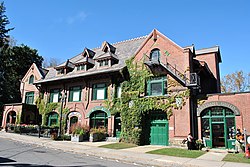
column 77, row 138
column 97, row 137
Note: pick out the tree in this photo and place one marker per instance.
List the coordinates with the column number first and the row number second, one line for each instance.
column 16, row 62
column 235, row 82
column 3, row 23
column 52, row 62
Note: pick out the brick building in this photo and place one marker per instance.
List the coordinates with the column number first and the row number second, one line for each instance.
column 84, row 82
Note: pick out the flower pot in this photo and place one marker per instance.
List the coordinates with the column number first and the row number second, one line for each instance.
column 77, row 138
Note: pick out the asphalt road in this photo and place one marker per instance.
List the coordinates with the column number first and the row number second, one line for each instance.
column 13, row 153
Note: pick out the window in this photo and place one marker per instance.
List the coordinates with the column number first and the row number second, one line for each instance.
column 80, row 67
column 99, row 92
column 157, row 86
column 29, row 97
column 104, row 63
column 118, row 91
column 98, row 119
column 53, row 119
column 75, row 94
column 31, row 79
column 155, row 55
column 60, row 71
column 54, row 96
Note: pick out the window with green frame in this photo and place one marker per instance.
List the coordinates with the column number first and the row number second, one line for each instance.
column 54, row 95
column 75, row 94
column 52, row 119
column 99, row 92
column 31, row 79
column 29, row 97
column 118, row 91
column 98, row 119
column 157, row 86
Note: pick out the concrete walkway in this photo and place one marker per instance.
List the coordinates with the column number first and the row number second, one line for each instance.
column 134, row 155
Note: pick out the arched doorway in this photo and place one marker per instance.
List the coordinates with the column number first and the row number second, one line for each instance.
column 98, row 119
column 218, row 127
column 52, row 119
column 11, row 117
column 73, row 120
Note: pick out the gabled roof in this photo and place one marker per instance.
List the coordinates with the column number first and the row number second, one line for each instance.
column 67, row 64
column 106, row 55
column 124, row 50
column 214, row 49
column 85, row 60
column 108, row 47
column 89, row 53
column 41, row 71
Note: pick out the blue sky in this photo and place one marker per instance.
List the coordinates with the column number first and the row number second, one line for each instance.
column 62, row 28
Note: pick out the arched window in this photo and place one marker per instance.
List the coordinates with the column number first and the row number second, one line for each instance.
column 31, row 79
column 98, row 119
column 73, row 120
column 155, row 55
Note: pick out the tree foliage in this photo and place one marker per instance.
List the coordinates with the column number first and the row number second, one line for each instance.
column 235, row 82
column 134, row 107
column 3, row 23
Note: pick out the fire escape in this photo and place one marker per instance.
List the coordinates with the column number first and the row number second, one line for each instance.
column 158, row 67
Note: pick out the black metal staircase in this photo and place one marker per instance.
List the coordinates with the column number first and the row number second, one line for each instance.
column 194, row 80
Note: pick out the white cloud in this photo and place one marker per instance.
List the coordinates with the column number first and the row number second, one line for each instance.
column 81, row 16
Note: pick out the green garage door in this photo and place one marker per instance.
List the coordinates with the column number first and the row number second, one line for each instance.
column 159, row 132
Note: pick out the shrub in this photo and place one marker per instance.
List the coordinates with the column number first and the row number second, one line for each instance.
column 78, row 129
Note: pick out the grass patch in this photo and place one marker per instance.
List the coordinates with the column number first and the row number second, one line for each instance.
column 240, row 157
column 118, row 145
column 178, row 152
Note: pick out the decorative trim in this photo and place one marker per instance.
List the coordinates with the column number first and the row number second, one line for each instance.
column 218, row 103
column 99, row 108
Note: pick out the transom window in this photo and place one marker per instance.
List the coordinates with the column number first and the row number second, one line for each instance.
column 54, row 96
column 75, row 94
column 31, row 79
column 157, row 86
column 29, row 97
column 99, row 92
column 155, row 55
column 104, row 63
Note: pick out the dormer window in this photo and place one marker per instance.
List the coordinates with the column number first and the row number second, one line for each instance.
column 31, row 79
column 65, row 68
column 81, row 67
column 104, row 63
column 60, row 71
column 155, row 55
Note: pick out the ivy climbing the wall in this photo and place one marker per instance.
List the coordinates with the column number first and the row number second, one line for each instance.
column 134, row 107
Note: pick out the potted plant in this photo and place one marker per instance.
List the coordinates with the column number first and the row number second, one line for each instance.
column 79, row 132
column 97, row 134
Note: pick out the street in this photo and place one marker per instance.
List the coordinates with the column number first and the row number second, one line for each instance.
column 13, row 153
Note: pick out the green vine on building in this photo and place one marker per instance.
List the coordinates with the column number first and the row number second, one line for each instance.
column 134, row 106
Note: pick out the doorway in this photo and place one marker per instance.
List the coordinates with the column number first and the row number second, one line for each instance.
column 218, row 135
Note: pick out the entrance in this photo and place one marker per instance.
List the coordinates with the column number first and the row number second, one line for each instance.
column 159, row 128
column 218, row 127
column 218, row 135
column 117, row 125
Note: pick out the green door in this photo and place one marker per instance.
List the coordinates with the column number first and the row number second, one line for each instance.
column 159, row 132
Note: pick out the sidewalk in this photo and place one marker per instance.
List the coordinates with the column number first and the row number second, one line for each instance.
column 134, row 155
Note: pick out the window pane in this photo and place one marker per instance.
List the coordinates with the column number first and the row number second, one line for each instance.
column 156, row 89
column 100, row 94
column 76, row 96
column 55, row 98
column 155, row 55
column 119, row 91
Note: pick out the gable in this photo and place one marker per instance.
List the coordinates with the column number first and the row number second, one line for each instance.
column 170, row 52
column 33, row 70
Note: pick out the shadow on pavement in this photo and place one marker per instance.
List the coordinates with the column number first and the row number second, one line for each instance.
column 4, row 160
